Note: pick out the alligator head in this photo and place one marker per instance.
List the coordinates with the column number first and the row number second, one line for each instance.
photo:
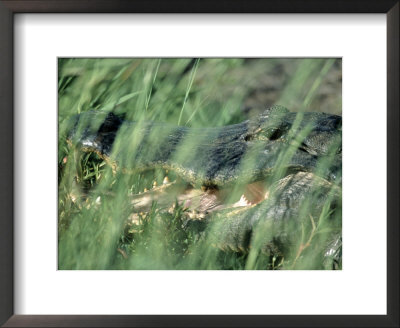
column 245, row 176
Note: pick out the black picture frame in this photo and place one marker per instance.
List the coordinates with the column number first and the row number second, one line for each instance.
column 7, row 11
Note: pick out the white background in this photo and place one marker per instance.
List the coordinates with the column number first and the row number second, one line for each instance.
column 360, row 288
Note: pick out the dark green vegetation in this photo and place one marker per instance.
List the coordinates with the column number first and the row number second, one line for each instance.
column 106, row 221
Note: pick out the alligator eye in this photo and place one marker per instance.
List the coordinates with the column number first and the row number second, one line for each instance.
column 334, row 122
column 270, row 134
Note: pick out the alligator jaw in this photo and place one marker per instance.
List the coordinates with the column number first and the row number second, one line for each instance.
column 224, row 158
column 197, row 202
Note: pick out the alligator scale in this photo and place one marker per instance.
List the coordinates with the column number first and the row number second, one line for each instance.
column 247, row 181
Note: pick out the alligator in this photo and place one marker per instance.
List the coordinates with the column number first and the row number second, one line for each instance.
column 241, row 184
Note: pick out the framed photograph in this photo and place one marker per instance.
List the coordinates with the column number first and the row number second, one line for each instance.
column 212, row 174
column 206, row 164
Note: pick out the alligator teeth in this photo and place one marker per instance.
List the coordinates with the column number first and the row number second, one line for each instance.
column 242, row 202
column 73, row 197
column 166, row 180
column 246, row 200
column 154, row 183
column 145, row 190
column 134, row 219
column 255, row 192
column 122, row 252
column 171, row 209
column 192, row 214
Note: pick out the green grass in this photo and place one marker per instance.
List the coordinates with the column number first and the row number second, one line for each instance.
column 94, row 202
